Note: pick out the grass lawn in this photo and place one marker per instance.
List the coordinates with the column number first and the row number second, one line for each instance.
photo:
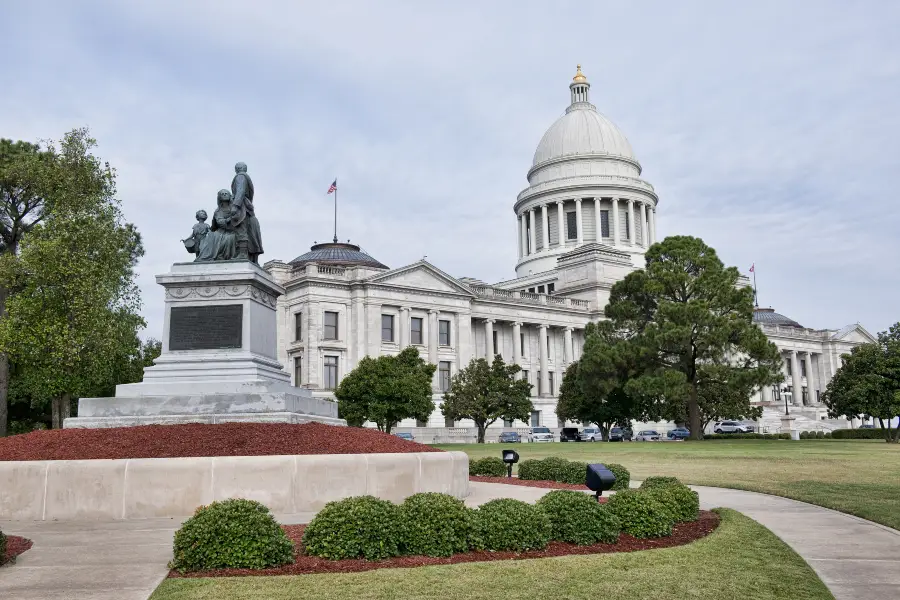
column 859, row 477
column 742, row 560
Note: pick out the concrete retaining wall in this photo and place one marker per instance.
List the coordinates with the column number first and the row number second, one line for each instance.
column 175, row 487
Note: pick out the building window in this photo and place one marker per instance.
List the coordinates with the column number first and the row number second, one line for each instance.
column 387, row 328
column 790, row 371
column 776, row 393
column 522, row 342
column 448, row 422
column 530, row 290
column 604, row 223
column 525, row 375
column 535, row 418
column 298, row 327
column 444, row 333
column 331, row 325
column 331, row 372
column 507, row 422
column 818, row 397
column 444, row 375
column 548, row 347
column 494, row 343
column 802, row 368
column 540, row 289
column 804, row 395
column 627, row 219
column 550, row 381
column 298, row 371
column 551, row 287
column 571, row 226
column 415, row 331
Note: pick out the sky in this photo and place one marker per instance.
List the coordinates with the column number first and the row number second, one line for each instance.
column 769, row 129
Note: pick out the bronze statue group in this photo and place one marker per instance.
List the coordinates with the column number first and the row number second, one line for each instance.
column 234, row 232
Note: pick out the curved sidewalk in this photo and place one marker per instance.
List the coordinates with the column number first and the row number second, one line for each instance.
column 855, row 558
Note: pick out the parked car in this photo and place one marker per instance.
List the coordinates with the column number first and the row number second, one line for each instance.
column 569, row 434
column 648, row 435
column 405, row 436
column 620, row 434
column 731, row 427
column 510, row 437
column 867, row 426
column 591, row 434
column 679, row 433
column 540, row 434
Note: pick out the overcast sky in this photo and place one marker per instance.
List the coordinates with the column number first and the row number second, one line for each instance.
column 769, row 129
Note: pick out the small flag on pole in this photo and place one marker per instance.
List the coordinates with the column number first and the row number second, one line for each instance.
column 753, row 268
column 332, row 188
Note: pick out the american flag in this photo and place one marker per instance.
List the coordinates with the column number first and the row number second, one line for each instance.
column 753, row 267
column 332, row 187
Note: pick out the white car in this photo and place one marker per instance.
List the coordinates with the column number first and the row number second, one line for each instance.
column 648, row 435
column 591, row 434
column 731, row 427
column 540, row 434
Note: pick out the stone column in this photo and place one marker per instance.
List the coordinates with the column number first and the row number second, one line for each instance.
column 766, row 393
column 615, row 220
column 810, row 379
column 531, row 233
column 560, row 223
column 373, row 320
column 570, row 347
column 579, row 229
column 465, row 342
column 542, row 351
column 403, row 325
column 645, row 226
column 517, row 344
column 433, row 347
column 630, row 220
column 545, row 223
column 359, row 332
column 796, row 386
column 520, row 233
column 488, row 339
column 311, row 358
column 598, row 222
column 652, row 225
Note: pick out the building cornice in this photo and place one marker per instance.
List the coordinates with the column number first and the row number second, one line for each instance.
column 599, row 186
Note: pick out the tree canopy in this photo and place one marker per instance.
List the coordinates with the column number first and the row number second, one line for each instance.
column 486, row 392
column 868, row 383
column 690, row 322
column 387, row 389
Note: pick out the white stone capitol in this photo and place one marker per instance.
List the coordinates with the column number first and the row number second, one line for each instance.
column 218, row 361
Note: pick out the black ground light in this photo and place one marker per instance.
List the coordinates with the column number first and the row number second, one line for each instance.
column 599, row 479
column 510, row 457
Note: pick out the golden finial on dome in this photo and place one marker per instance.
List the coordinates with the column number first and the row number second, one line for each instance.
column 579, row 76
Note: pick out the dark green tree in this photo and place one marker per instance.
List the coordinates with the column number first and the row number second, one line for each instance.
column 868, row 383
column 486, row 392
column 387, row 389
column 691, row 321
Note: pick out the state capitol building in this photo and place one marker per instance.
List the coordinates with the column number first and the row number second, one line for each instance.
column 584, row 222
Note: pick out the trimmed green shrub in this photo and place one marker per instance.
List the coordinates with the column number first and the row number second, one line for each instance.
column 435, row 525
column 828, row 434
column 489, row 466
column 231, row 534
column 578, row 518
column 657, row 482
column 623, row 476
column 641, row 514
column 858, row 434
column 2, row 546
column 747, row 436
column 682, row 502
column 507, row 524
column 820, row 435
column 574, row 471
column 530, row 469
column 362, row 526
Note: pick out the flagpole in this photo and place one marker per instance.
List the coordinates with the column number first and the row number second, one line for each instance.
column 335, row 210
column 755, row 293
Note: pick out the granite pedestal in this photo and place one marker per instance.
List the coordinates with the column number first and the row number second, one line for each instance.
column 218, row 362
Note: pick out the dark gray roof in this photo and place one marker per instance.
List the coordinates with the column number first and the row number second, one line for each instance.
column 768, row 316
column 337, row 254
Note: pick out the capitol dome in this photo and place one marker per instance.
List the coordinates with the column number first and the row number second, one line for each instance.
column 585, row 132
column 768, row 316
column 337, row 254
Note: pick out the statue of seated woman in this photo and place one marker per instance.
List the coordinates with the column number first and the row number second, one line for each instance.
column 222, row 237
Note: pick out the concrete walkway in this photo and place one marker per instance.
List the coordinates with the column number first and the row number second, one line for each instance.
column 126, row 560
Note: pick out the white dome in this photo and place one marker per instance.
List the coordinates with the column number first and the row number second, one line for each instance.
column 583, row 131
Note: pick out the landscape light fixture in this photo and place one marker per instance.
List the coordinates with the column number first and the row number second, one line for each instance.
column 599, row 479
column 510, row 457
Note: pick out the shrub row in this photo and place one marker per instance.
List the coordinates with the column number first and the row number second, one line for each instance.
column 655, row 508
column 858, row 434
column 747, row 436
column 814, row 435
column 2, row 546
column 554, row 468
column 489, row 466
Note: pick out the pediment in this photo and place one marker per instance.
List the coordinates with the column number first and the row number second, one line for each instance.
column 854, row 334
column 421, row 276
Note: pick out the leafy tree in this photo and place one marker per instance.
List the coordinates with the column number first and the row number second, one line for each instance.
column 692, row 323
column 868, row 383
column 486, row 392
column 593, row 389
column 74, row 306
column 386, row 390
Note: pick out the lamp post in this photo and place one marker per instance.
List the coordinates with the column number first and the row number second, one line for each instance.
column 787, row 421
column 784, row 395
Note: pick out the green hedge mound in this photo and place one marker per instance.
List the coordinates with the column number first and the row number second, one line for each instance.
column 747, row 436
column 554, row 468
column 623, row 476
column 362, row 526
column 489, row 466
column 232, row 534
column 682, row 502
column 2, row 546
column 507, row 524
column 640, row 514
column 436, row 525
column 578, row 518
column 658, row 481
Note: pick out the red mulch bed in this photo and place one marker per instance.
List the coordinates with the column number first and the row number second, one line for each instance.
column 225, row 439
column 552, row 485
column 683, row 533
column 15, row 546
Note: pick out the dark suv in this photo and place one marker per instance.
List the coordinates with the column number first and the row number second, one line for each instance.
column 620, row 434
column 569, row 434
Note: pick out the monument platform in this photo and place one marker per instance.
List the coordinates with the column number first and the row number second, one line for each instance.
column 218, row 362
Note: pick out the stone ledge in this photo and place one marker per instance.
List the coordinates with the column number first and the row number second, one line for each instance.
column 175, row 487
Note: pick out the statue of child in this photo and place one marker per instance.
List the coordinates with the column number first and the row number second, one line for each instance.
column 196, row 244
